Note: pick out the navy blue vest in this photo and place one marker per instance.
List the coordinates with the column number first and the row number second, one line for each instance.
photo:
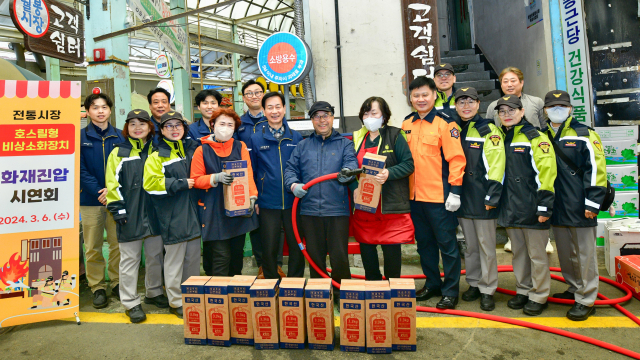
column 216, row 225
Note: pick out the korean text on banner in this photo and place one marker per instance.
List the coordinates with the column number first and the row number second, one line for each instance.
column 172, row 37
column 39, row 193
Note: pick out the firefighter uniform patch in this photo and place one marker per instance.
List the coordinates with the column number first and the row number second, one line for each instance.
column 597, row 144
column 544, row 146
column 455, row 133
column 495, row 139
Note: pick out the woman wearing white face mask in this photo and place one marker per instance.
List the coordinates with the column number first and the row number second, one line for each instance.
column 225, row 233
column 390, row 225
column 580, row 190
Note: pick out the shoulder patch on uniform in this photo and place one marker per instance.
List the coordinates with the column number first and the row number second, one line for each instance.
column 531, row 133
column 597, row 144
column 544, row 146
column 495, row 139
column 455, row 133
column 484, row 129
column 582, row 130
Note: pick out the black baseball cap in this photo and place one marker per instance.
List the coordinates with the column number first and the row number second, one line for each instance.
column 171, row 115
column 138, row 114
column 557, row 97
column 511, row 101
column 444, row 67
column 466, row 92
column 321, row 106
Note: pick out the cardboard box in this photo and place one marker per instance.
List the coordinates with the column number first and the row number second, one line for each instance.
column 403, row 313
column 600, row 232
column 368, row 195
column 623, row 178
column 628, row 273
column 240, row 309
column 236, row 195
column 292, row 315
column 352, row 316
column 320, row 321
column 264, row 309
column 625, row 205
column 195, row 325
column 618, row 233
column 378, row 314
column 217, row 310
column 620, row 151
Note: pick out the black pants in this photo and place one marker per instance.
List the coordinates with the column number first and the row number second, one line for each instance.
column 392, row 261
column 271, row 221
column 226, row 256
column 327, row 234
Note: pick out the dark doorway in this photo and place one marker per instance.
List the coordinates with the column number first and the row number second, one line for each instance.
column 460, row 24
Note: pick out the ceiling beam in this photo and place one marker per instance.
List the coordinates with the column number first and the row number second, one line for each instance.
column 223, row 45
column 263, row 15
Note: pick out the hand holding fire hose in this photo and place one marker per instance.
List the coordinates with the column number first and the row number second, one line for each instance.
column 345, row 175
column 298, row 191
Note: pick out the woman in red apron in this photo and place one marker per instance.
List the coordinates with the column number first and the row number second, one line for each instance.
column 390, row 225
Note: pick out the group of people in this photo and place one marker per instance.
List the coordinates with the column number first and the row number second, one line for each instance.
column 158, row 185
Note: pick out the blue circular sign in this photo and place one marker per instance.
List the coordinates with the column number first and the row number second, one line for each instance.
column 284, row 58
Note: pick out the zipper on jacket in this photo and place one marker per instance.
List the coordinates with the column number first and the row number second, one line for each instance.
column 281, row 172
column 320, row 169
column 103, row 154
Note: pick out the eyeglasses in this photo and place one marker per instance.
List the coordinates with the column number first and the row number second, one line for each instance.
column 444, row 75
column 464, row 103
column 251, row 94
column 511, row 112
column 173, row 127
column 324, row 117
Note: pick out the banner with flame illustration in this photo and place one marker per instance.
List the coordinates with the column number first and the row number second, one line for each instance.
column 39, row 200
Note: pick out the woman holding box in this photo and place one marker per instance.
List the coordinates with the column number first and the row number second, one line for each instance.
column 390, row 225
column 227, row 233
column 135, row 218
column 166, row 179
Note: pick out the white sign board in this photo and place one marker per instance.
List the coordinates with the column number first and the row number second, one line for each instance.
column 574, row 39
column 172, row 37
column 163, row 66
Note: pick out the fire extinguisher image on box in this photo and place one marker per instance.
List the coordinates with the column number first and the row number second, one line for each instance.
column 318, row 325
column 216, row 321
column 402, row 323
column 238, row 193
column 367, row 191
column 193, row 319
column 378, row 326
column 290, row 321
column 263, row 320
column 351, row 327
column 241, row 319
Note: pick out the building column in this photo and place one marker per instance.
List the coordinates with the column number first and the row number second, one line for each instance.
column 53, row 68
column 182, row 77
column 238, row 104
column 107, row 17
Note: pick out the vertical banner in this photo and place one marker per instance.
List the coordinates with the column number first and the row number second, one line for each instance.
column 576, row 60
column 39, row 200
column 421, row 41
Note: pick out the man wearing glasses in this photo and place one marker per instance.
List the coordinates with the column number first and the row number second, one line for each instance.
column 324, row 208
column 445, row 79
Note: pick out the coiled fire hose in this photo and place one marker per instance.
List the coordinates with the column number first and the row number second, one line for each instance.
column 503, row 268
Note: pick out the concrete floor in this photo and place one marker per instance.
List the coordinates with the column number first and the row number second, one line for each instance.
column 106, row 334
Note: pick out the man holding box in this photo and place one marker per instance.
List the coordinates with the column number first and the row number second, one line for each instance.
column 324, row 208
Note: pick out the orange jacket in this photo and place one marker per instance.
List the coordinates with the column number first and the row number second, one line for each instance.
column 199, row 174
column 437, row 154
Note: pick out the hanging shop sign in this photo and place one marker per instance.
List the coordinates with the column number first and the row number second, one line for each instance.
column 39, row 196
column 163, row 66
column 284, row 58
column 170, row 35
column 50, row 28
column 421, row 44
column 574, row 38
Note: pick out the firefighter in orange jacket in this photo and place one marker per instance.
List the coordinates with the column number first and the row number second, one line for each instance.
column 435, row 187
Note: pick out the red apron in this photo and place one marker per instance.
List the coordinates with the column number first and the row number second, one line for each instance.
column 378, row 228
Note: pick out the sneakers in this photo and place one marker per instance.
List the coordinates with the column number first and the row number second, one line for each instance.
column 447, row 303
column 517, row 302
column 115, row 292
column 100, row 300
column 159, row 301
column 507, row 246
column 176, row 311
column 487, row 303
column 281, row 273
column 136, row 314
column 472, row 294
column 549, row 248
column 580, row 312
column 533, row 308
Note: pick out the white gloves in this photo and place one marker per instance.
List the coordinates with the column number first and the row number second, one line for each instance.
column 453, row 202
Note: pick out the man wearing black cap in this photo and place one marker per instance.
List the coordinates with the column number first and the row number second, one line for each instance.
column 527, row 204
column 483, row 145
column 445, row 79
column 324, row 208
column 580, row 190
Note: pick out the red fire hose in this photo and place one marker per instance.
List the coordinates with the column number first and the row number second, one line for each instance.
column 502, row 268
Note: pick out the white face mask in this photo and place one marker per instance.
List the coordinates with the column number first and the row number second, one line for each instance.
column 222, row 133
column 558, row 114
column 373, row 124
